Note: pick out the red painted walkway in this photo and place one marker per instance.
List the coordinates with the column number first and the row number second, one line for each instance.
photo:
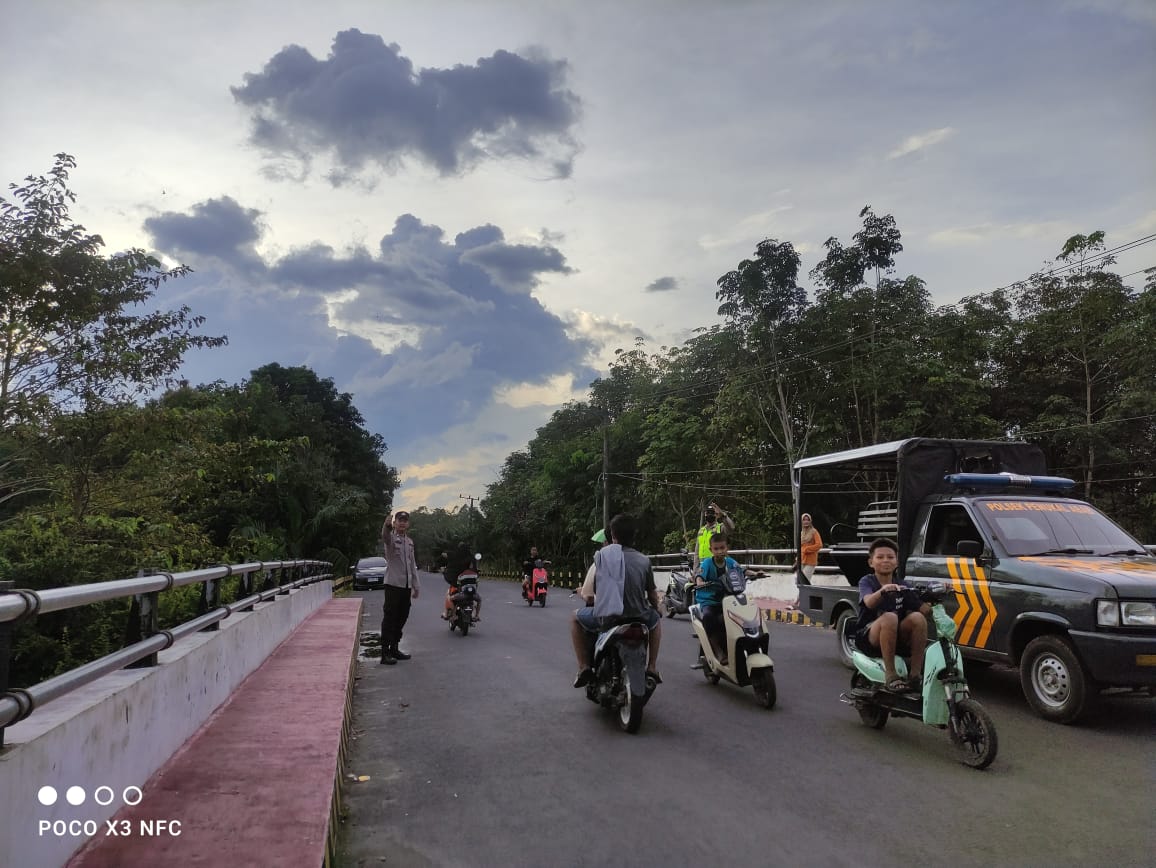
column 256, row 785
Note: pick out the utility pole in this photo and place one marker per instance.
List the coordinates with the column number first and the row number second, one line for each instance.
column 473, row 538
column 606, row 477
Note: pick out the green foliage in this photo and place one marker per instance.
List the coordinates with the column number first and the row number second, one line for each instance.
column 94, row 487
column 1064, row 359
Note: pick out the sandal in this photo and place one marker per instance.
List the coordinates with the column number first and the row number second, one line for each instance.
column 650, row 673
column 896, row 685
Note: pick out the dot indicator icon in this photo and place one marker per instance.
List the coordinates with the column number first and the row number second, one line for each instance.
column 75, row 795
column 47, row 796
column 104, row 796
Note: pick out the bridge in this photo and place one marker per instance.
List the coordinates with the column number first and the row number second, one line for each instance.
column 238, row 739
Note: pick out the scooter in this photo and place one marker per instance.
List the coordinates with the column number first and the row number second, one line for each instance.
column 944, row 700
column 747, row 643
column 620, row 681
column 679, row 596
column 534, row 586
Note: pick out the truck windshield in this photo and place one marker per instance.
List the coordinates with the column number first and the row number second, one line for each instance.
column 1037, row 527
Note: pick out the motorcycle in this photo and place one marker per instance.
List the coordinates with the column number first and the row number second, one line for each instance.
column 944, row 701
column 747, row 643
column 679, row 596
column 465, row 601
column 620, row 681
column 534, row 586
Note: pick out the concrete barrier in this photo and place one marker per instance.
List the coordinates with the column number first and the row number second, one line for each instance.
column 112, row 735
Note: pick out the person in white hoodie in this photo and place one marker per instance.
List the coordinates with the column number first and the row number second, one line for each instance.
column 623, row 588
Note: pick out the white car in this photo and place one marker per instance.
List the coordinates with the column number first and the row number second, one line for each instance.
column 369, row 574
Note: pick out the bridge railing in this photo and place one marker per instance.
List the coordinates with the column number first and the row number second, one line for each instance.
column 776, row 560
column 279, row 578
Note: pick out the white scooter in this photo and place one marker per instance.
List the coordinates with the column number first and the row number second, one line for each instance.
column 747, row 643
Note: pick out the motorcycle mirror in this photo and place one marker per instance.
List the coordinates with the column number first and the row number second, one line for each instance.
column 478, row 556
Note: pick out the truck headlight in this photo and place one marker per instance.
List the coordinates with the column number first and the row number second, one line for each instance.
column 1138, row 614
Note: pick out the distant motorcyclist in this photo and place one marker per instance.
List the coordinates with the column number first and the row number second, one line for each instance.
column 456, row 564
column 528, row 566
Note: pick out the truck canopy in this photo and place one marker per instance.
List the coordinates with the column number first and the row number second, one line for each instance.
column 919, row 465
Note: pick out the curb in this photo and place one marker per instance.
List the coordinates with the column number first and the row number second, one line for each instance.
column 789, row 617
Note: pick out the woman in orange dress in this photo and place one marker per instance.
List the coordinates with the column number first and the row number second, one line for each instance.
column 809, row 544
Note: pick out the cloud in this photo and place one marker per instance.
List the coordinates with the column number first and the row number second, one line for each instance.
column 424, row 330
column 921, row 141
column 751, row 228
column 984, row 232
column 558, row 390
column 662, row 284
column 365, row 105
column 216, row 228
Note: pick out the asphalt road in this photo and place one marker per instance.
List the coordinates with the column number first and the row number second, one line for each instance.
column 479, row 752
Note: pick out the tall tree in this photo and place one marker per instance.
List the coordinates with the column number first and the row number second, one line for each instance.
column 71, row 333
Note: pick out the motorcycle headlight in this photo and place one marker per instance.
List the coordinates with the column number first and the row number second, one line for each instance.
column 1138, row 614
column 1107, row 613
column 748, row 626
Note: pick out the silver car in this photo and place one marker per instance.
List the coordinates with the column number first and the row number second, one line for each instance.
column 369, row 574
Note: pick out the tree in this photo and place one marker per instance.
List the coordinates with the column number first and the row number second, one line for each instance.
column 70, row 331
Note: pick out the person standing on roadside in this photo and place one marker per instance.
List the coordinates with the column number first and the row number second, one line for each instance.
column 714, row 520
column 810, row 543
column 401, row 585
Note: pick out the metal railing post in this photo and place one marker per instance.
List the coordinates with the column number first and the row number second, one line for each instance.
column 210, row 600
column 6, row 629
column 283, row 580
column 144, row 621
column 246, row 589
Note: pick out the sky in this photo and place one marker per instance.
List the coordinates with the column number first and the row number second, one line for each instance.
column 457, row 211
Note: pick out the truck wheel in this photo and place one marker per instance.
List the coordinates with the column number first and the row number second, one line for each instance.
column 1053, row 680
column 843, row 636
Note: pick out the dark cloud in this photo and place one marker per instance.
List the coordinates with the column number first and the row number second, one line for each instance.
column 366, row 105
column 217, row 228
column 663, row 284
column 422, row 330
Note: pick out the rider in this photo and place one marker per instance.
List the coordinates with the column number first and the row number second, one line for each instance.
column 458, row 563
column 528, row 570
column 714, row 520
column 639, row 598
column 710, row 587
column 891, row 618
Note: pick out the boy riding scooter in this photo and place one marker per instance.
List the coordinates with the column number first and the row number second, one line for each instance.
column 891, row 617
column 733, row 643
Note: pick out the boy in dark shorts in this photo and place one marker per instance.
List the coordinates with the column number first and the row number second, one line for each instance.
column 891, row 618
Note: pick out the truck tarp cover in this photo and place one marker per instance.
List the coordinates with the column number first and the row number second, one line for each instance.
column 922, row 464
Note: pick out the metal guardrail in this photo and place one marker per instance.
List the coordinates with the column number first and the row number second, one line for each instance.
column 18, row 604
column 744, row 555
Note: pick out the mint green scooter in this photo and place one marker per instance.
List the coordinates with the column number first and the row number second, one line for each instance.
column 944, row 701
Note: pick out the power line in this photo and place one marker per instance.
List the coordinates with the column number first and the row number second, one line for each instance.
column 1085, row 425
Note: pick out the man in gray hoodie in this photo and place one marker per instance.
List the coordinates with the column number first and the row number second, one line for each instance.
column 401, row 585
column 623, row 589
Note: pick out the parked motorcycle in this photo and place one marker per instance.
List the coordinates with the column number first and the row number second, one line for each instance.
column 747, row 643
column 944, row 700
column 465, row 601
column 534, row 586
column 679, row 596
column 620, row 681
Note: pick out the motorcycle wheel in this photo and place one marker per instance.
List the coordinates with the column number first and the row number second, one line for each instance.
column 453, row 623
column 668, row 608
column 973, row 734
column 763, row 681
column 465, row 625
column 542, row 602
column 630, row 714
column 872, row 715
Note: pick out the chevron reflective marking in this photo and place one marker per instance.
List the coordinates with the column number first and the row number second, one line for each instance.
column 964, row 609
column 976, row 607
column 989, row 617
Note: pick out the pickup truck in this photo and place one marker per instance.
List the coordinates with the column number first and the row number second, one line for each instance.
column 1042, row 581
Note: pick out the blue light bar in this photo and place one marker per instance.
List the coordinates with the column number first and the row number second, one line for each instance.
column 1008, row 480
